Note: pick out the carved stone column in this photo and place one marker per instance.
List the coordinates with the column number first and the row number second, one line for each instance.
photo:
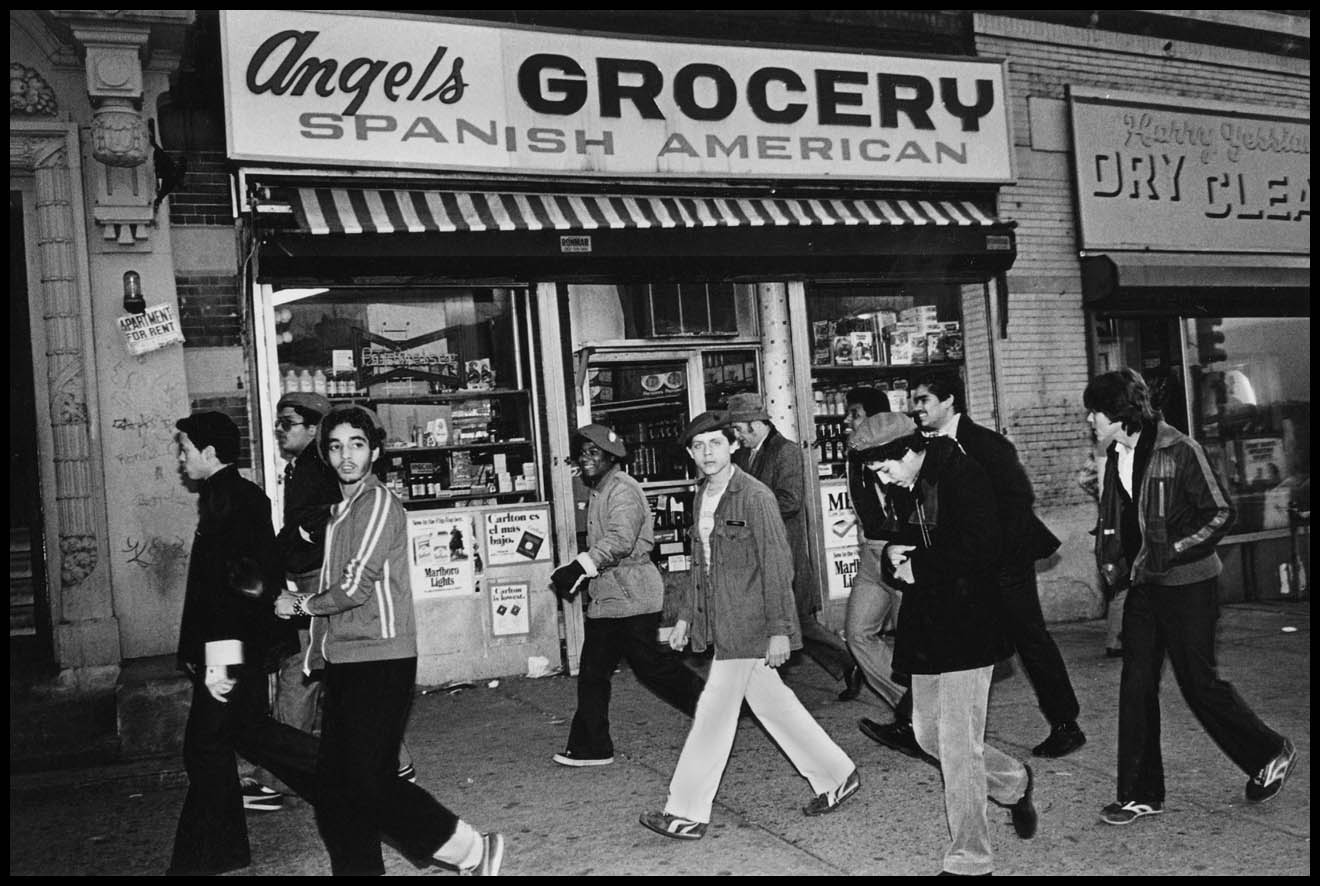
column 86, row 633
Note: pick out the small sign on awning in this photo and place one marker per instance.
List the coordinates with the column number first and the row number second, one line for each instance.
column 151, row 330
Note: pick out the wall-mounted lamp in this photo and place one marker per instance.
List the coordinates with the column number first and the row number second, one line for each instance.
column 134, row 303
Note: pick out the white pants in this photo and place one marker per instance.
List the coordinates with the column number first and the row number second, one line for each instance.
column 710, row 740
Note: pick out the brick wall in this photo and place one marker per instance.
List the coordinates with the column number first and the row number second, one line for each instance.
column 209, row 309
column 203, row 198
column 1043, row 363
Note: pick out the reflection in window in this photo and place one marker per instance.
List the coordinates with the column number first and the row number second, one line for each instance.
column 1251, row 387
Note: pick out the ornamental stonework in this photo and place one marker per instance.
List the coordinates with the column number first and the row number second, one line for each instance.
column 29, row 94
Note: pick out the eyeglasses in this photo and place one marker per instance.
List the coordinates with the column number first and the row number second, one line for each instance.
column 288, row 424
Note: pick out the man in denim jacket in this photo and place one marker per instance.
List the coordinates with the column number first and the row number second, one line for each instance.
column 627, row 595
column 1162, row 511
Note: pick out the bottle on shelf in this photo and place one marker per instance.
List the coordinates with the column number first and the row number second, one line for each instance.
column 319, row 382
column 290, row 382
column 305, row 383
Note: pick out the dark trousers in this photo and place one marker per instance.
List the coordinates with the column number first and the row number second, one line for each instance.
column 825, row 647
column 212, row 836
column 1025, row 625
column 606, row 641
column 365, row 708
column 1179, row 620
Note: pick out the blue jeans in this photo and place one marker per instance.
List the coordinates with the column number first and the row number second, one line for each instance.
column 870, row 604
column 948, row 717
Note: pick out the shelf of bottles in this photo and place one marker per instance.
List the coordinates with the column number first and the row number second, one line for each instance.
column 646, row 403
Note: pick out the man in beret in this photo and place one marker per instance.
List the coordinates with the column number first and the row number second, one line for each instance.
column 627, row 595
column 950, row 631
column 229, row 639
column 781, row 464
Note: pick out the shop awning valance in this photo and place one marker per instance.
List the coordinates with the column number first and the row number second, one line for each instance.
column 327, row 210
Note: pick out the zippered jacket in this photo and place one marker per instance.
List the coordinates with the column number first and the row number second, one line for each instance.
column 620, row 537
column 364, row 610
column 1182, row 512
column 746, row 597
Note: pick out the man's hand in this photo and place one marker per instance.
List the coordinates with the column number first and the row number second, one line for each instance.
column 284, row 604
column 777, row 650
column 219, row 683
column 678, row 635
column 565, row 579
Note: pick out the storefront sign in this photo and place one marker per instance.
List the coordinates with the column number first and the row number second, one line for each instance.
column 441, row 554
column 509, row 609
column 1160, row 173
column 151, row 330
column 428, row 93
column 517, row 536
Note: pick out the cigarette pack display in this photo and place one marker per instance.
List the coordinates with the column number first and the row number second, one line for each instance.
column 863, row 348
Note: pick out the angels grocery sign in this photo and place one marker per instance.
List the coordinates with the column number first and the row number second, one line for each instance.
column 427, row 93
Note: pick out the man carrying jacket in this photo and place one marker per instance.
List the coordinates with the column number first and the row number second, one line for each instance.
column 1162, row 511
column 627, row 596
column 938, row 408
column 949, row 632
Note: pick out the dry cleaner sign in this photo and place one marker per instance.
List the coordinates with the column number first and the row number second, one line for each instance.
column 426, row 93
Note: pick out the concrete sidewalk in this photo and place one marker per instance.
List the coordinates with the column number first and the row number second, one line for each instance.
column 485, row 752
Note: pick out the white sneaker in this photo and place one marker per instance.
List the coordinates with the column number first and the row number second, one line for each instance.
column 492, row 857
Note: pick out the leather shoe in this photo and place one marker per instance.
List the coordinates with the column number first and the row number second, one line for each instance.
column 1024, row 811
column 897, row 736
column 1064, row 738
column 852, row 684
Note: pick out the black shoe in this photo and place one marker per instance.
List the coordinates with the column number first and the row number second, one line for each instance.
column 897, row 736
column 852, row 684
column 1064, row 738
column 1024, row 811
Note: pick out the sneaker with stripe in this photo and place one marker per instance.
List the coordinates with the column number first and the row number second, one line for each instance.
column 1266, row 784
column 492, row 857
column 675, row 826
column 830, row 800
column 1126, row 813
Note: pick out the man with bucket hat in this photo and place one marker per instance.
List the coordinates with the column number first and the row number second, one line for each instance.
column 626, row 598
column 781, row 464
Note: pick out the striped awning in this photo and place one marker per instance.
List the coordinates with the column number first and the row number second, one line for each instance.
column 380, row 211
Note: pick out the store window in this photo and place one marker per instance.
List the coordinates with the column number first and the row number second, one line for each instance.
column 1251, row 408
column 880, row 336
column 647, row 311
column 448, row 370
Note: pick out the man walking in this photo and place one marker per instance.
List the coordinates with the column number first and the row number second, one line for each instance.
column 949, row 633
column 1162, row 511
column 939, row 408
column 781, row 464
column 627, row 596
column 740, row 601
column 229, row 639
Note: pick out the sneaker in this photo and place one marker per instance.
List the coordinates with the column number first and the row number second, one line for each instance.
column 1064, row 738
column 1267, row 783
column 1023, row 811
column 830, row 800
column 897, row 736
column 675, row 826
column 259, row 798
column 408, row 773
column 568, row 758
column 492, row 856
column 1126, row 813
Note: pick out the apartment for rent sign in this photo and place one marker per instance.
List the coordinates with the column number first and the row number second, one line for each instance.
column 352, row 90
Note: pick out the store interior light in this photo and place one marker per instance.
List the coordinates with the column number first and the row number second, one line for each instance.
column 284, row 296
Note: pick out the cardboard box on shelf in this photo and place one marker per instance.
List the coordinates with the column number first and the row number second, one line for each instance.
column 822, row 342
column 863, row 348
column 842, row 350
